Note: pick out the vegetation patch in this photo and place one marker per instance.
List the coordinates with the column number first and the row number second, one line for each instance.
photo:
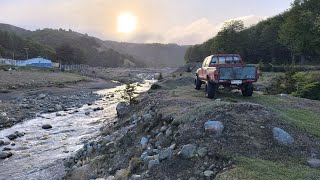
column 251, row 168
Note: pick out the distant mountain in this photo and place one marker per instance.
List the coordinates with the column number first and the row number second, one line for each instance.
column 152, row 54
column 74, row 47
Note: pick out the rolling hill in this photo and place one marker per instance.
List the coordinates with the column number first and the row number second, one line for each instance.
column 73, row 47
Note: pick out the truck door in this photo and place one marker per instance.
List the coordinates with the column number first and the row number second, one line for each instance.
column 201, row 73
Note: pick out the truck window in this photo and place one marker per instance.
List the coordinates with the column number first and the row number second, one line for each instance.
column 222, row 60
column 214, row 60
column 236, row 59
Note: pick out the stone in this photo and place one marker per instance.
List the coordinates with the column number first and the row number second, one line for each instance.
column 187, row 151
column 46, row 126
column 41, row 96
column 169, row 132
column 58, row 114
column 163, row 128
column 282, row 137
column 122, row 109
column 12, row 136
column 87, row 113
column 1, row 142
column 155, row 86
column 7, row 149
column 165, row 154
column 143, row 141
column 153, row 163
column 58, row 107
column 208, row 173
column 214, row 127
column 314, row 163
column 110, row 178
column 4, row 155
column 202, row 152
column 135, row 177
column 147, row 117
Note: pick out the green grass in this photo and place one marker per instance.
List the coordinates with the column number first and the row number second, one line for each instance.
column 304, row 119
column 259, row 169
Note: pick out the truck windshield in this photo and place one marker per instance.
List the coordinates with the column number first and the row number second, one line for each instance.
column 229, row 60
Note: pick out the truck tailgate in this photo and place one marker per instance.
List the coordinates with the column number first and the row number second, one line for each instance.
column 237, row 73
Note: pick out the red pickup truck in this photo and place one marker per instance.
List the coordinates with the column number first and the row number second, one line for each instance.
column 227, row 70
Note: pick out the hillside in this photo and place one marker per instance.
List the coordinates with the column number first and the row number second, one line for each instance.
column 153, row 54
column 74, row 47
column 289, row 38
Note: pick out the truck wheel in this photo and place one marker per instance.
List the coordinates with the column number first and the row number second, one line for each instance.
column 247, row 90
column 197, row 83
column 210, row 90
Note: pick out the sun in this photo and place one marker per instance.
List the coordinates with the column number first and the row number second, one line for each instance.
column 127, row 23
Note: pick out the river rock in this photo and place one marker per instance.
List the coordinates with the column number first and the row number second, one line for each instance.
column 46, row 126
column 1, row 142
column 7, row 149
column 163, row 128
column 87, row 113
column 214, row 127
column 314, row 163
column 110, row 178
column 143, row 141
column 4, row 155
column 153, row 163
column 169, row 132
column 41, row 96
column 202, row 152
column 58, row 107
column 208, row 173
column 187, row 151
column 122, row 109
column 166, row 154
column 12, row 136
column 282, row 137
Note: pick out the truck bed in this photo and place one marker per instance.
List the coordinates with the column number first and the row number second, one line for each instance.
column 237, row 73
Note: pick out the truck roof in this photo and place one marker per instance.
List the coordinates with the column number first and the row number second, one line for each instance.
column 225, row 55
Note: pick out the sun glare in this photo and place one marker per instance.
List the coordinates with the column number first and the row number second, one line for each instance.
column 127, row 23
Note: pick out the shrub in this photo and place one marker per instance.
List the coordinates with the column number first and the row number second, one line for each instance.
column 310, row 91
column 129, row 93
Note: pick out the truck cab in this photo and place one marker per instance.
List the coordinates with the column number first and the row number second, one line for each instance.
column 227, row 70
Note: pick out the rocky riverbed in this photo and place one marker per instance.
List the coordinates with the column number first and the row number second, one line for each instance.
column 36, row 148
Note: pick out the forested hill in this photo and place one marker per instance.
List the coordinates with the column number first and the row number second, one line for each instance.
column 291, row 37
column 70, row 47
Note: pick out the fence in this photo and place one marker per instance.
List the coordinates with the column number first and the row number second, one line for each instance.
column 73, row 67
column 8, row 62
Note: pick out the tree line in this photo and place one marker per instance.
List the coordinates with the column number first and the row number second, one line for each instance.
column 65, row 47
column 12, row 46
column 289, row 38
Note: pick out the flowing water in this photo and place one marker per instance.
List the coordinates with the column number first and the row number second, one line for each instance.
column 39, row 153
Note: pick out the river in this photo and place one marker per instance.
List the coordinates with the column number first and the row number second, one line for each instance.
column 39, row 154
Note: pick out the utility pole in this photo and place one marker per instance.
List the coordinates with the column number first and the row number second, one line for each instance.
column 12, row 55
column 27, row 52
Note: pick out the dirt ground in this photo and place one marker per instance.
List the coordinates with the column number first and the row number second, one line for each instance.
column 247, row 136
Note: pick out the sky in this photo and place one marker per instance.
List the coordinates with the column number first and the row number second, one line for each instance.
column 184, row 22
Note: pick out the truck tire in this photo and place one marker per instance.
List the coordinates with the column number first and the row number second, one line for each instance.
column 197, row 83
column 247, row 90
column 210, row 90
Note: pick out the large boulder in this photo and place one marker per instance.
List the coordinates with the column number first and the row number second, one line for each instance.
column 214, row 127
column 122, row 109
column 282, row 137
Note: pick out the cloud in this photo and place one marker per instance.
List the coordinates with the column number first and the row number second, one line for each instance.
column 194, row 33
